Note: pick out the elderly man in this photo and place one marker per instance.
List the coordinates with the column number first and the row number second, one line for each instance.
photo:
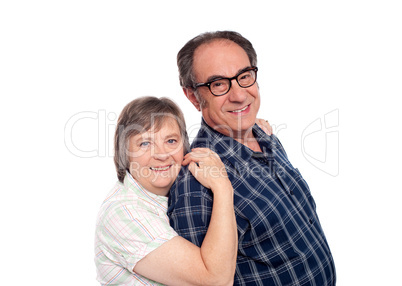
column 281, row 241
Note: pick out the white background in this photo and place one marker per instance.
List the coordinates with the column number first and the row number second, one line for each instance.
column 67, row 68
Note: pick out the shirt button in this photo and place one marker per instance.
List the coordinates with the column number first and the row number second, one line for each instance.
column 311, row 221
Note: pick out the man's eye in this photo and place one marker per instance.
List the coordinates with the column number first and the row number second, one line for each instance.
column 245, row 76
column 172, row 141
column 219, row 84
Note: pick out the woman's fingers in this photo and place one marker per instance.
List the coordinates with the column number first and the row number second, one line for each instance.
column 264, row 125
column 201, row 155
column 206, row 166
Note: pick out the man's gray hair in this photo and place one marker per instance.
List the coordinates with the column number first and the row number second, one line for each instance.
column 185, row 57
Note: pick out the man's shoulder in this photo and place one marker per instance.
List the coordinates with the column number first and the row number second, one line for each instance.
column 186, row 191
column 185, row 184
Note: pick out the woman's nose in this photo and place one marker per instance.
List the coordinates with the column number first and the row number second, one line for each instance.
column 160, row 153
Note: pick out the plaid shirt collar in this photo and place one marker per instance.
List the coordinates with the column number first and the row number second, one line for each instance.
column 229, row 148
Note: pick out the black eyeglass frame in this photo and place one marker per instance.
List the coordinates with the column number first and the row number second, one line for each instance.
column 208, row 84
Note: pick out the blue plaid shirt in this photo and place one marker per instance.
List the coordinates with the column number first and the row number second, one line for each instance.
column 281, row 241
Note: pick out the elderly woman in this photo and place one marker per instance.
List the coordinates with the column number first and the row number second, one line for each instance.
column 134, row 243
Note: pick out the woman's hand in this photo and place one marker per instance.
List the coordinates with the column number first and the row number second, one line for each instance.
column 207, row 167
column 264, row 125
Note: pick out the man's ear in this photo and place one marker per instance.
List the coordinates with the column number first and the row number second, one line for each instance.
column 189, row 92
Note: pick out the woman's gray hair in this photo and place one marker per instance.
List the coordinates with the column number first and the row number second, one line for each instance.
column 139, row 116
column 185, row 57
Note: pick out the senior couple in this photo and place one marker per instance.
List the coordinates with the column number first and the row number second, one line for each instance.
column 229, row 210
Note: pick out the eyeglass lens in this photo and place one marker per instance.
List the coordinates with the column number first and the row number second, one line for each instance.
column 222, row 86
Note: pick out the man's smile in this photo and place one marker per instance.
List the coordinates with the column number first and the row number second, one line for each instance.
column 241, row 110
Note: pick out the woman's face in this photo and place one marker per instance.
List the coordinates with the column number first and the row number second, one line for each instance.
column 156, row 157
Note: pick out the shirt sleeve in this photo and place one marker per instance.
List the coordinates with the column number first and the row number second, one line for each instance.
column 130, row 233
column 190, row 212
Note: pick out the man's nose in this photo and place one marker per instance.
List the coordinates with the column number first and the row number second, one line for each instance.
column 236, row 92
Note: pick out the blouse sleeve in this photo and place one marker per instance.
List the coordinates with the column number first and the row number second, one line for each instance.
column 130, row 233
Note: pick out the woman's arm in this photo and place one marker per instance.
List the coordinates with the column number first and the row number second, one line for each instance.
column 178, row 261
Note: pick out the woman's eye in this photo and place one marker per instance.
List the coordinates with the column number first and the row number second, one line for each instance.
column 172, row 141
column 144, row 144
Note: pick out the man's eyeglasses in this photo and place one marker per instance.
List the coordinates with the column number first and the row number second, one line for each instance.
column 221, row 86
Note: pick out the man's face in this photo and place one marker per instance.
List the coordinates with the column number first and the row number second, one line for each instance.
column 234, row 113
